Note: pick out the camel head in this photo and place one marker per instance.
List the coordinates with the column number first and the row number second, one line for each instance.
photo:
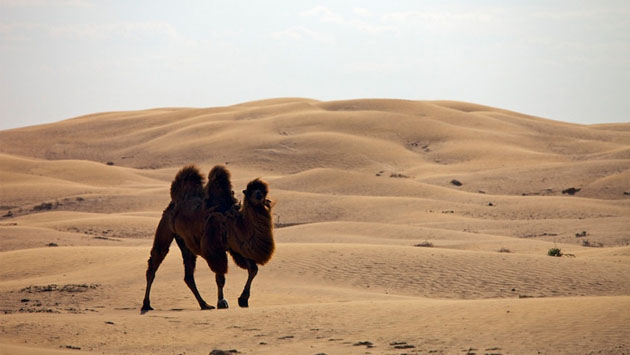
column 256, row 194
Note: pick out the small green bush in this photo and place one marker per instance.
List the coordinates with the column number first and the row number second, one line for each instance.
column 554, row 252
column 586, row 243
column 425, row 244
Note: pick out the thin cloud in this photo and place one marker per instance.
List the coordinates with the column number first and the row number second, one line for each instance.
column 441, row 18
column 362, row 12
column 19, row 32
column 129, row 30
column 364, row 26
column 583, row 14
column 324, row 14
column 298, row 33
column 46, row 3
column 16, row 32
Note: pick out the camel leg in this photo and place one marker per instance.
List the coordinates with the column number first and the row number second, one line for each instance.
column 221, row 303
column 161, row 244
column 214, row 252
column 252, row 270
column 190, row 261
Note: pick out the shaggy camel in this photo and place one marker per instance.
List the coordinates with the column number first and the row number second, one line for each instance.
column 208, row 222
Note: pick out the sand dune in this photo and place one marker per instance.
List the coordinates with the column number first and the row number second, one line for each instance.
column 401, row 227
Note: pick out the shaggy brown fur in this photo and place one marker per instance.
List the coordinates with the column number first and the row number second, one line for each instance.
column 188, row 184
column 247, row 234
column 218, row 191
column 196, row 219
column 251, row 233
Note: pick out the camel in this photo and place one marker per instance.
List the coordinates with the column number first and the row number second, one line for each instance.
column 209, row 222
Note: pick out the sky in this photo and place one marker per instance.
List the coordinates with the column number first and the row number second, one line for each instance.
column 562, row 60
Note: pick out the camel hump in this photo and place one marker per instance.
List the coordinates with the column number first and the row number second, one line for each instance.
column 219, row 195
column 219, row 175
column 188, row 182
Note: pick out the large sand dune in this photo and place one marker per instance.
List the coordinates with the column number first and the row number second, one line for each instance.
column 390, row 218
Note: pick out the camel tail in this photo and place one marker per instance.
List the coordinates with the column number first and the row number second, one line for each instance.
column 188, row 182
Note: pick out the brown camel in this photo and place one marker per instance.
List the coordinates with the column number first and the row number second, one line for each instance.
column 208, row 222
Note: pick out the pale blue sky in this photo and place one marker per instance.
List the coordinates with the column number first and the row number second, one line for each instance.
column 564, row 60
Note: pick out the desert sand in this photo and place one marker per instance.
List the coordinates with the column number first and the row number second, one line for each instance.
column 400, row 226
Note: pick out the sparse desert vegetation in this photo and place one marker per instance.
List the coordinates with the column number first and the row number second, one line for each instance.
column 425, row 244
column 554, row 252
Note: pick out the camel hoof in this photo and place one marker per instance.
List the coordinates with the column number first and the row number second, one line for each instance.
column 222, row 304
column 145, row 308
column 243, row 302
column 206, row 306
